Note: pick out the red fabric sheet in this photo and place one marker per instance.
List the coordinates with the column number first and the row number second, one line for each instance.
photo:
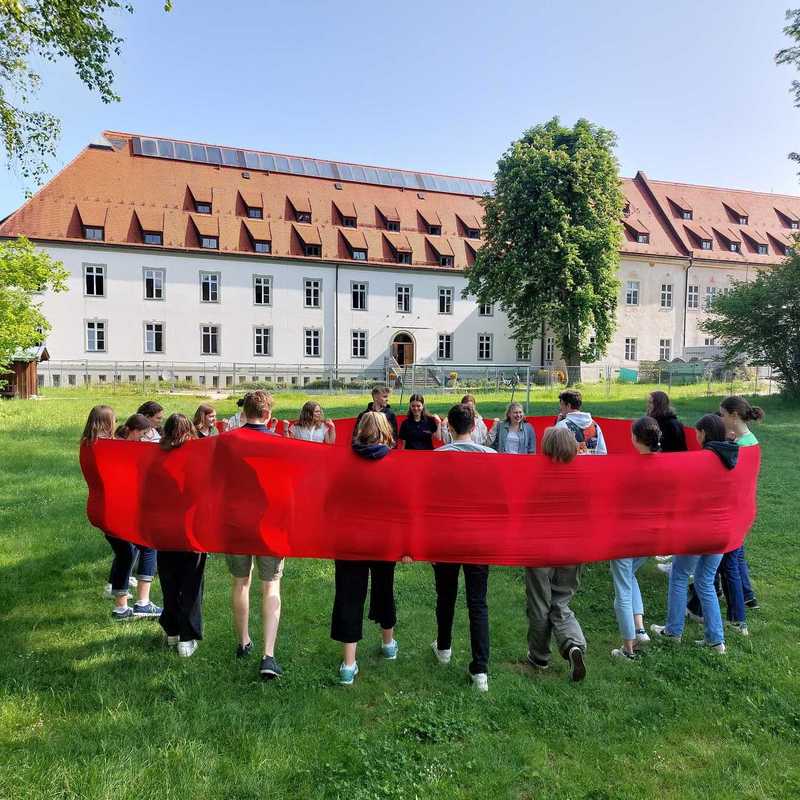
column 244, row 492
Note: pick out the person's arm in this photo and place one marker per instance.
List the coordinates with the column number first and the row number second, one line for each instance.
column 437, row 421
column 330, row 432
column 531, row 439
column 601, row 443
column 400, row 438
column 355, row 427
column 492, row 435
column 444, row 432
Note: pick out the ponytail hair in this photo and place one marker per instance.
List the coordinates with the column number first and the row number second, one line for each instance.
column 646, row 431
column 713, row 427
column 739, row 406
column 135, row 422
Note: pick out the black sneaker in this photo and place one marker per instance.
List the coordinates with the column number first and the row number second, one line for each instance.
column 535, row 663
column 270, row 668
column 752, row 604
column 244, row 650
column 577, row 669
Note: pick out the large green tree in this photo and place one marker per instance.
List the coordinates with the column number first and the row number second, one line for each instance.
column 49, row 30
column 25, row 271
column 552, row 236
column 759, row 322
column 791, row 56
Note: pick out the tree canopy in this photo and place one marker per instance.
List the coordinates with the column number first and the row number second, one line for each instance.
column 551, row 239
column 760, row 321
column 791, row 56
column 24, row 271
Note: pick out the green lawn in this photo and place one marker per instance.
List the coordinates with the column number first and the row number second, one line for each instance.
column 91, row 709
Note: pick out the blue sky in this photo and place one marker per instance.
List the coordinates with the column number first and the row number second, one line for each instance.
column 690, row 86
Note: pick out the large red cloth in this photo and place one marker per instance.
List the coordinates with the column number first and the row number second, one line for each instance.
column 247, row 492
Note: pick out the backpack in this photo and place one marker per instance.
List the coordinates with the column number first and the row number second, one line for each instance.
column 585, row 437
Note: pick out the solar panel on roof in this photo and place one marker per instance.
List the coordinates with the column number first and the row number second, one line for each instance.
column 213, row 155
column 166, row 148
column 310, row 166
column 251, row 159
column 345, row 172
column 198, row 153
column 266, row 162
column 182, row 151
column 149, row 147
column 325, row 169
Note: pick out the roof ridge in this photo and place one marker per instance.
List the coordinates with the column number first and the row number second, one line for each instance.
column 722, row 189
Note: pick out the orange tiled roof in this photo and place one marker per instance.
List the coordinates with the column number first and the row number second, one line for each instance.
column 110, row 186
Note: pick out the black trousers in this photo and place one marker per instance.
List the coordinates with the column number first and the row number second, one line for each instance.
column 352, row 579
column 476, row 583
column 181, row 576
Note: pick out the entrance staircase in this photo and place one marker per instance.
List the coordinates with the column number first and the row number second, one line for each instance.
column 413, row 377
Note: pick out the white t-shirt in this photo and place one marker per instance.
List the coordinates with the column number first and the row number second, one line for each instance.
column 151, row 435
column 465, row 447
column 479, row 435
column 513, row 441
column 308, row 433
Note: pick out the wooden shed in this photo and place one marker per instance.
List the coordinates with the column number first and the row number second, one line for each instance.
column 21, row 379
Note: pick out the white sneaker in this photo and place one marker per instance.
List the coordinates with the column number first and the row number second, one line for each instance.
column 185, row 649
column 663, row 559
column 480, row 681
column 665, row 568
column 660, row 632
column 642, row 637
column 172, row 641
column 442, row 656
column 717, row 648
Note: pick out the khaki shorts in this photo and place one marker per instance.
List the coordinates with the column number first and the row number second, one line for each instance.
column 269, row 567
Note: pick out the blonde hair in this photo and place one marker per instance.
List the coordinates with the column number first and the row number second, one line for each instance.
column 559, row 444
column 374, row 428
column 306, row 418
column 515, row 404
column 99, row 425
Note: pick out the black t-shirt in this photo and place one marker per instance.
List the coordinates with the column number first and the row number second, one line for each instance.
column 418, row 435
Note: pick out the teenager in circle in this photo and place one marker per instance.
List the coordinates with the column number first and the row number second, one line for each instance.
column 673, row 436
column 257, row 410
column 480, row 433
column 205, row 421
column 155, row 413
column 711, row 435
column 461, row 423
column 237, row 420
column 311, row 425
column 628, row 604
column 134, row 429
column 419, row 428
column 587, row 432
column 549, row 590
column 181, row 572
column 513, row 434
column 380, row 404
column 372, row 440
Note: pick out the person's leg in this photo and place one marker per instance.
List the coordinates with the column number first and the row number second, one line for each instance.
column 241, row 570
column 351, row 579
column 382, row 607
column 623, row 579
column 682, row 568
column 145, row 570
column 637, row 603
column 537, row 608
column 446, row 579
column 191, row 595
column 270, row 571
column 121, row 566
column 744, row 573
column 476, row 584
column 704, row 580
column 168, row 571
column 732, row 586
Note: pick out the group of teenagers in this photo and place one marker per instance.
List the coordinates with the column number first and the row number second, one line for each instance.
column 376, row 434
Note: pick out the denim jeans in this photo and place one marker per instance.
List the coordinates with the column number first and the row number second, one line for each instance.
column 733, row 584
column 125, row 555
column 627, row 597
column 704, row 568
column 744, row 572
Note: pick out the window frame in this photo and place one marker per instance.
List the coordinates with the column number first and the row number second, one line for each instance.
column 666, row 298
column 643, row 238
column 665, row 348
column 490, row 337
column 95, row 321
column 393, row 225
column 549, row 349
column 434, row 230
column 404, row 257
column 155, row 271
column 446, row 261
column 255, row 212
column 209, row 273
column 762, row 249
column 482, row 306
column 631, row 348
column 409, row 294
column 441, row 293
column 365, row 289
column 103, row 275
column 265, row 279
column 318, row 306
column 312, row 250
column 303, row 217
column 94, row 228
column 217, row 332
column 202, row 208
column 264, row 244
column 632, row 294
column 693, row 297
column 306, row 332
column 270, row 335
column 349, row 222
column 364, row 336
column 205, row 242
column 163, row 334
column 151, row 234
column 362, row 254
column 523, row 356
column 446, row 339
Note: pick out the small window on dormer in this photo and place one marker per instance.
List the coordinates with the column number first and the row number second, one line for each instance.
column 686, row 214
column 706, row 244
column 303, row 216
column 734, row 247
column 314, row 250
column 473, row 233
column 202, row 208
column 393, row 225
column 151, row 237
column 794, row 225
column 261, row 246
column 349, row 222
column 435, row 230
column 763, row 249
column 255, row 213
column 743, row 220
column 643, row 238
column 93, row 233
column 209, row 242
column 403, row 257
column 359, row 255
column 445, row 261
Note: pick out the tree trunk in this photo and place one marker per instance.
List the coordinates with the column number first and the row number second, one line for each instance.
column 573, row 364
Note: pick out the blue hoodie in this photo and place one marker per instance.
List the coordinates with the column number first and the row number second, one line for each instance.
column 374, row 452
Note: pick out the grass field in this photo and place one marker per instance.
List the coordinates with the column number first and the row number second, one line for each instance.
column 92, row 709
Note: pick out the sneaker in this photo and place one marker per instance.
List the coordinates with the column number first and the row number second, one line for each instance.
column 480, row 681
column 719, row 647
column 577, row 668
column 146, row 610
column 641, row 636
column 172, row 641
column 108, row 593
column 660, row 632
column 389, row 651
column 122, row 613
column 739, row 627
column 665, row 568
column 442, row 656
column 694, row 617
column 752, row 604
column 622, row 653
column 663, row 559
column 270, row 668
column 535, row 663
column 244, row 650
column 348, row 674
column 185, row 649
column 132, row 582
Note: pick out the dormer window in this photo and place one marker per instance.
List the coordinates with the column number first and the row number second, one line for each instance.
column 743, row 220
column 643, row 238
column 152, row 237
column 202, row 208
column 435, row 230
column 763, row 249
column 473, row 233
column 393, row 225
column 734, row 247
column 686, row 215
column 794, row 225
column 255, row 213
column 209, row 242
column 788, row 251
column 349, row 222
column 359, row 255
column 403, row 257
column 303, row 216
column 445, row 261
column 313, row 250
column 261, row 246
column 706, row 244
column 93, row 233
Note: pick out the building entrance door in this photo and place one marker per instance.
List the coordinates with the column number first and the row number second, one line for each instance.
column 403, row 349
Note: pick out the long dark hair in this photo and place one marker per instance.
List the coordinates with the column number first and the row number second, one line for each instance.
column 135, row 422
column 177, row 429
column 418, row 398
column 739, row 406
column 646, row 431
column 661, row 405
column 713, row 427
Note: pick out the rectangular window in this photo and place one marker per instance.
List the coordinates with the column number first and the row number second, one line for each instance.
column 95, row 336
column 393, row 225
column 154, row 337
column 349, row 222
column 693, row 297
column 57, row 380
column 358, row 254
column 153, row 238
column 632, row 293
column 303, row 216
column 445, row 261
column 523, row 352
column 444, row 350
column 486, row 309
column 312, row 342
column 734, row 247
column 473, row 233
column 262, row 290
column 94, row 280
column 262, row 246
column 403, row 299
column 255, row 213
column 664, row 349
column 706, row 244
column 154, row 284
column 763, row 250
column 314, row 250
column 549, row 349
column 262, row 341
column 630, row 349
column 202, row 208
column 403, row 257
column 666, row 295
column 686, row 214
column 643, row 238
column 743, row 220
column 358, row 294
column 435, row 230
column 209, row 287
column 312, row 293
column 209, row 242
column 485, row 346
column 359, row 344
column 209, row 340
column 710, row 342
column 711, row 293
column 94, row 234
column 445, row 299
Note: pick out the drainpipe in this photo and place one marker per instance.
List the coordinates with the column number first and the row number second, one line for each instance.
column 686, row 304
column 541, row 348
column 336, row 324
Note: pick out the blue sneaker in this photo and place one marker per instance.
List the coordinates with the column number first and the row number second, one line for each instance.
column 122, row 613
column 348, row 674
column 146, row 610
column 389, row 651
